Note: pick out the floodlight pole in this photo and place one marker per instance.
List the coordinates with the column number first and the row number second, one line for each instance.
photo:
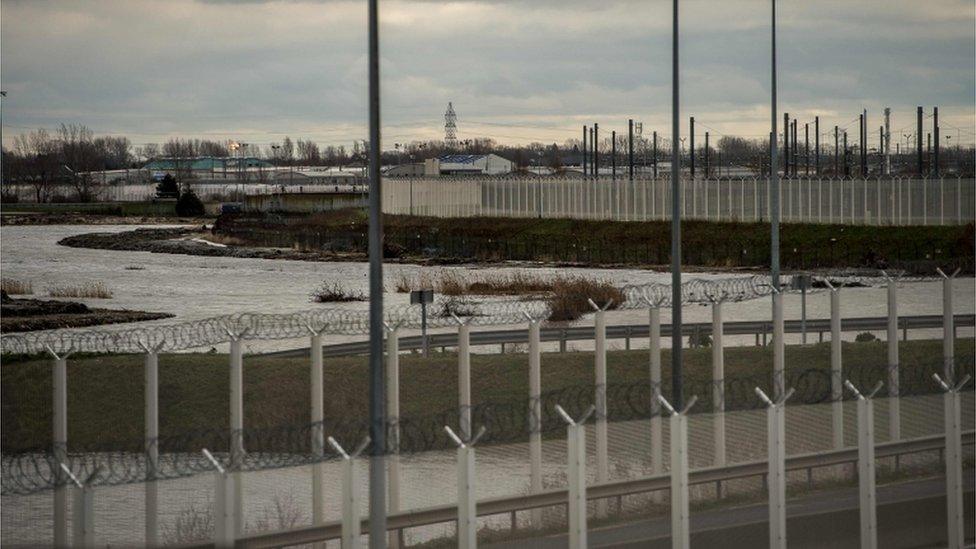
column 377, row 381
column 676, row 377
column 774, row 169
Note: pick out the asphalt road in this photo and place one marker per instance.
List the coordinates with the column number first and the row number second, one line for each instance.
column 910, row 515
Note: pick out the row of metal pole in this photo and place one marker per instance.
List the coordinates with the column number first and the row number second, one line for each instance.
column 865, row 201
column 318, row 440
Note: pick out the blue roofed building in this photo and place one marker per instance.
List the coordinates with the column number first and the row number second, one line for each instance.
column 468, row 164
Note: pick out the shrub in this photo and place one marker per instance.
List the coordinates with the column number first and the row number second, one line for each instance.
column 864, row 337
column 570, row 297
column 189, row 205
column 335, row 293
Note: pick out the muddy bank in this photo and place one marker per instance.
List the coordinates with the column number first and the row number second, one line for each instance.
column 26, row 315
column 192, row 241
column 28, row 218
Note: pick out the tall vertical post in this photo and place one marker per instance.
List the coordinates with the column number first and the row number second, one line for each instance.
column 350, row 499
column 83, row 516
column 596, row 150
column 613, row 153
column 225, row 527
column 657, row 441
column 861, row 142
column 718, row 382
column 676, row 301
column 237, row 430
column 393, row 422
column 680, row 533
column 948, row 329
column 836, row 371
column 317, row 417
column 786, row 143
column 152, row 444
column 377, row 383
column 794, row 149
column 887, row 141
column 576, row 477
column 816, row 145
column 865, row 465
column 779, row 346
column 630, row 148
column 654, row 153
column 600, row 368
column 464, row 378
column 60, row 445
column 584, row 152
column 776, row 477
column 918, row 142
column 774, row 218
column 847, row 165
column 953, row 462
column 535, row 414
column 935, row 130
column 707, row 159
column 691, row 147
column 836, row 148
column 467, row 523
column 894, row 404
column 806, row 148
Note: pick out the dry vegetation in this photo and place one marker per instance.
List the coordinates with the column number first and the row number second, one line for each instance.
column 96, row 290
column 570, row 297
column 458, row 282
column 335, row 293
column 16, row 287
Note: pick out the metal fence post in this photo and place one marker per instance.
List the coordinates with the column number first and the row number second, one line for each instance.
column 467, row 522
column 836, row 369
column 535, row 414
column 576, row 476
column 237, row 426
column 151, row 375
column 865, row 464
column 894, row 404
column 718, row 385
column 60, row 444
column 779, row 346
column 600, row 364
column 317, row 417
column 948, row 329
column 680, row 535
column 225, row 519
column 82, row 508
column 350, row 493
column 657, row 441
column 953, row 461
column 393, row 418
column 464, row 376
column 776, row 477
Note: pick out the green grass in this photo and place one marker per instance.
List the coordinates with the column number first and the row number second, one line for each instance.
column 105, row 393
column 710, row 244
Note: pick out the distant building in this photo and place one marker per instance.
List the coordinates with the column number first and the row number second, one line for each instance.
column 468, row 164
column 412, row 169
column 205, row 164
column 319, row 176
column 304, row 203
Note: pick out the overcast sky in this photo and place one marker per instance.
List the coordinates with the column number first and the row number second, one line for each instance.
column 517, row 71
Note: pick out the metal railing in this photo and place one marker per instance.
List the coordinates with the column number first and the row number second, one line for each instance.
column 559, row 497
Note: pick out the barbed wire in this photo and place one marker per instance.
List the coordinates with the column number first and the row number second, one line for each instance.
column 506, row 422
column 345, row 321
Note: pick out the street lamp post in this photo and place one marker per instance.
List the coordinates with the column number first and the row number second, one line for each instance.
column 676, row 374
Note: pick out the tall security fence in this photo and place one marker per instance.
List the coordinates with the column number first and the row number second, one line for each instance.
column 874, row 201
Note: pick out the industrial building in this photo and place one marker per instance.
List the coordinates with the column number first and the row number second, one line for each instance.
column 468, row 164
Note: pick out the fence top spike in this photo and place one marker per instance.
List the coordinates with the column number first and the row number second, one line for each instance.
column 457, row 440
column 71, row 475
column 481, row 432
column 667, row 405
column 362, row 446
column 943, row 384
column 337, row 447
column 213, row 461
column 963, row 383
column 850, row 386
column 877, row 387
column 688, row 405
column 592, row 304
column 763, row 397
column 787, row 396
column 562, row 413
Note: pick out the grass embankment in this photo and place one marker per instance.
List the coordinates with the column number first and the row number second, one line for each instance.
column 708, row 244
column 105, row 393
